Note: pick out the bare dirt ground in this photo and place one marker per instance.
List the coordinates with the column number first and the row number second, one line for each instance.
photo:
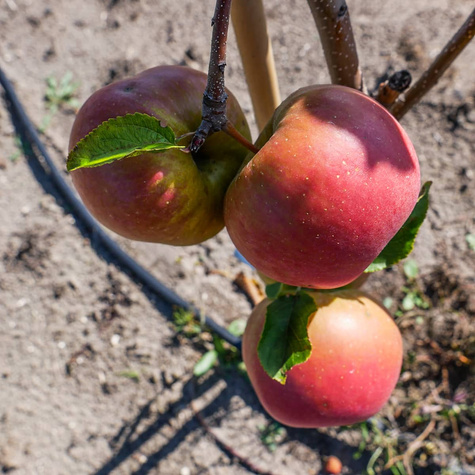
column 94, row 378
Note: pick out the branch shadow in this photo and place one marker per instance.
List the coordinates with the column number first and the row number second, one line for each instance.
column 316, row 440
column 129, row 438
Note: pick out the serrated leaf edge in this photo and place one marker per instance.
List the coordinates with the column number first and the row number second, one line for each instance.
column 381, row 266
column 148, row 148
column 281, row 375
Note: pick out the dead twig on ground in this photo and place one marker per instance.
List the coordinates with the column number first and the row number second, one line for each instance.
column 250, row 287
column 413, row 447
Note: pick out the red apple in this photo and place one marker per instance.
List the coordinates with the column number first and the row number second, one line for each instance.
column 334, row 181
column 353, row 368
column 169, row 197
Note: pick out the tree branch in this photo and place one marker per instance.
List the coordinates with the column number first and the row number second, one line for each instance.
column 336, row 34
column 215, row 97
column 446, row 57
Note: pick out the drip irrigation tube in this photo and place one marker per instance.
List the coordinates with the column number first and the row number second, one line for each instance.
column 125, row 261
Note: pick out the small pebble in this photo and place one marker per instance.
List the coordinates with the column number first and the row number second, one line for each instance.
column 115, row 339
column 333, row 465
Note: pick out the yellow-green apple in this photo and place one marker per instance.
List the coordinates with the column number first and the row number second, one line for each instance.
column 169, row 197
column 336, row 177
column 354, row 365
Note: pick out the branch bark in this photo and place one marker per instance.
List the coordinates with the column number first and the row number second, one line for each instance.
column 336, row 34
column 249, row 22
column 446, row 57
column 213, row 111
column 215, row 97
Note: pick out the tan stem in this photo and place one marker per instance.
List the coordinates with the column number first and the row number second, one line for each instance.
column 392, row 88
column 336, row 34
column 249, row 23
column 236, row 135
column 446, row 57
column 386, row 95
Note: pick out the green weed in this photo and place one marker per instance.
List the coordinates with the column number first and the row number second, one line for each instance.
column 272, row 435
column 59, row 95
column 130, row 374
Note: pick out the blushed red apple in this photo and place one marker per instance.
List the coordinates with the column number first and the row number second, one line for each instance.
column 353, row 368
column 169, row 197
column 336, row 177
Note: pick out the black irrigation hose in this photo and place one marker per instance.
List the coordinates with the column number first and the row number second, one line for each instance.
column 80, row 211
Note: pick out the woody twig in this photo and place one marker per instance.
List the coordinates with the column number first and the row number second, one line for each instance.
column 430, row 78
column 336, row 34
column 215, row 97
column 390, row 89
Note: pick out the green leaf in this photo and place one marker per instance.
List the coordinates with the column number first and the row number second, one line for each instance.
column 402, row 244
column 218, row 343
column 276, row 289
column 237, row 327
column 120, row 137
column 205, row 363
column 408, row 302
column 273, row 290
column 411, row 269
column 470, row 238
column 130, row 374
column 284, row 341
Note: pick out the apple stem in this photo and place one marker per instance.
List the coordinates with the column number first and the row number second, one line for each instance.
column 214, row 98
column 184, row 136
column 236, row 135
column 336, row 34
column 429, row 79
column 390, row 89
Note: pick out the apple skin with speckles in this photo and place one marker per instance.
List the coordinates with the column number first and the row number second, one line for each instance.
column 334, row 180
column 168, row 197
column 353, row 368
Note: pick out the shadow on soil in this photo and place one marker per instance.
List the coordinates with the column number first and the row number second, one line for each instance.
column 130, row 438
column 134, row 434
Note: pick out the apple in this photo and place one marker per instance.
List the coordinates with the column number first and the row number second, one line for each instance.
column 336, row 177
column 354, row 365
column 169, row 197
